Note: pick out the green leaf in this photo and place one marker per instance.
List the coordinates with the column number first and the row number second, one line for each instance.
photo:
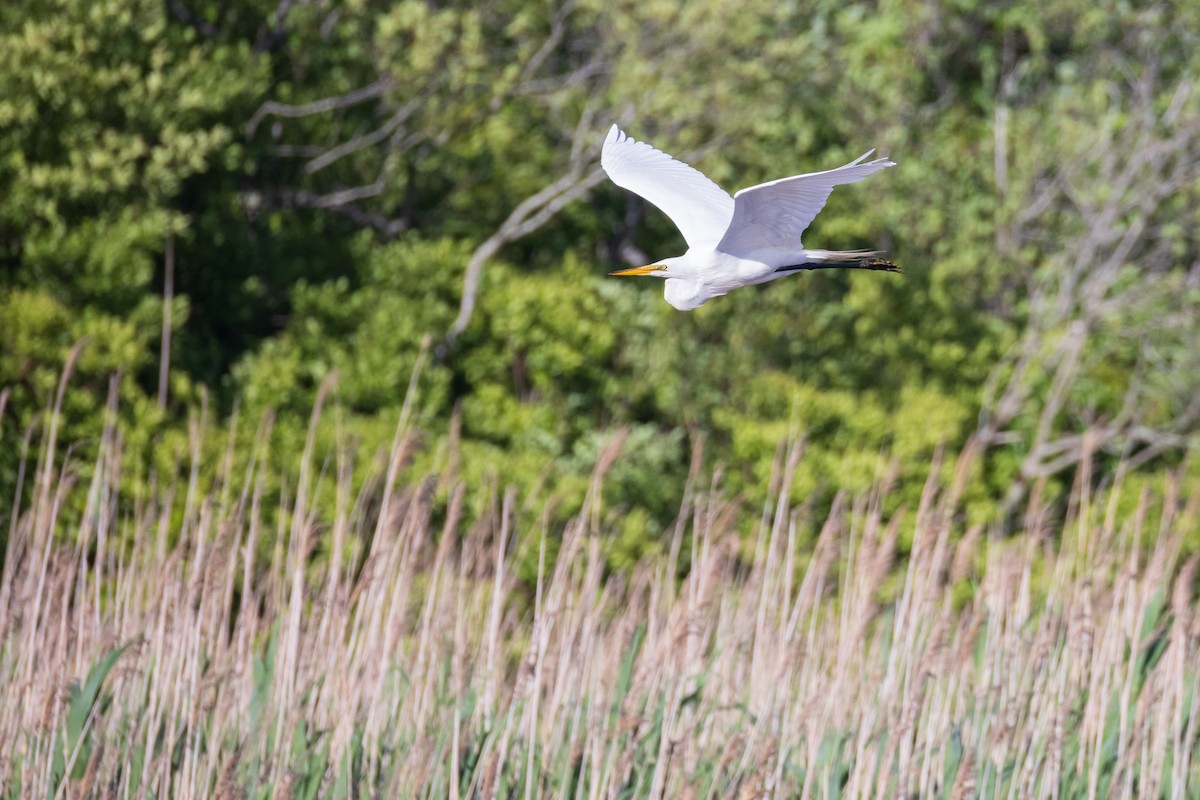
column 83, row 700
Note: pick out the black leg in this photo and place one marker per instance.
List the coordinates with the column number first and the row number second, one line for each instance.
column 877, row 264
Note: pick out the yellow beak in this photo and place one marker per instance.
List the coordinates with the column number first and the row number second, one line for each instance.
column 646, row 270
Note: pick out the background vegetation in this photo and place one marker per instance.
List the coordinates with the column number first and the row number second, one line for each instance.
column 241, row 246
column 341, row 180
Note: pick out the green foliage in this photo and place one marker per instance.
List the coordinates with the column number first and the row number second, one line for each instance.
column 108, row 109
column 73, row 750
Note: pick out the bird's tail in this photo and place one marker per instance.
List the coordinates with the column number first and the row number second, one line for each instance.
column 850, row 259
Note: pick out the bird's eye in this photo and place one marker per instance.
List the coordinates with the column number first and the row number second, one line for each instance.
column 663, row 267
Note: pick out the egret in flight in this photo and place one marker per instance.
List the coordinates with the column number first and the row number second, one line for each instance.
column 752, row 237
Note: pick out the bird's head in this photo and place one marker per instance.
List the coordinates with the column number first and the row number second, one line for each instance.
column 667, row 268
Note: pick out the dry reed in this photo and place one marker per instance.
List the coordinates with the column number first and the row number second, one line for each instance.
column 148, row 649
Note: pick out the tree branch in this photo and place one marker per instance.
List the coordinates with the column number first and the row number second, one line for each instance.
column 376, row 136
column 388, row 226
column 531, row 214
column 192, row 19
column 271, row 40
column 271, row 108
column 1101, row 207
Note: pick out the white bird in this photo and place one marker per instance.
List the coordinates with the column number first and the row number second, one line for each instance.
column 752, row 237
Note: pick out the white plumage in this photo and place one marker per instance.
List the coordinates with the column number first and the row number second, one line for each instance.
column 752, row 237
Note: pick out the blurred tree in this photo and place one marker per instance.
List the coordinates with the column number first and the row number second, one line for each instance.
column 1098, row 222
column 107, row 110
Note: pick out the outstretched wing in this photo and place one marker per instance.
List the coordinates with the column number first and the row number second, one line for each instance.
column 770, row 218
column 698, row 207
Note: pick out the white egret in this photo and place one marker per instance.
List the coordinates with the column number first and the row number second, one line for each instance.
column 752, row 237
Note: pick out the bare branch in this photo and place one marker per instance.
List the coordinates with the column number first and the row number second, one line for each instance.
column 531, row 214
column 184, row 14
column 164, row 358
column 558, row 27
column 388, row 226
column 271, row 108
column 346, row 196
column 273, row 39
column 295, row 151
column 371, row 139
column 1097, row 216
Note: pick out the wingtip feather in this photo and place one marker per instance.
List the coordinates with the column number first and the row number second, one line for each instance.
column 862, row 158
column 882, row 161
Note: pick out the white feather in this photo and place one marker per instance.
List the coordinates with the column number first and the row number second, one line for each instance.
column 750, row 238
column 698, row 207
column 769, row 219
column 688, row 295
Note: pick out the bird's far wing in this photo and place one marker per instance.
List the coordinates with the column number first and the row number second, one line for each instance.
column 688, row 295
column 771, row 217
column 698, row 207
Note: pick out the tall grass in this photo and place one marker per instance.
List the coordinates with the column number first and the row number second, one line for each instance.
column 147, row 649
